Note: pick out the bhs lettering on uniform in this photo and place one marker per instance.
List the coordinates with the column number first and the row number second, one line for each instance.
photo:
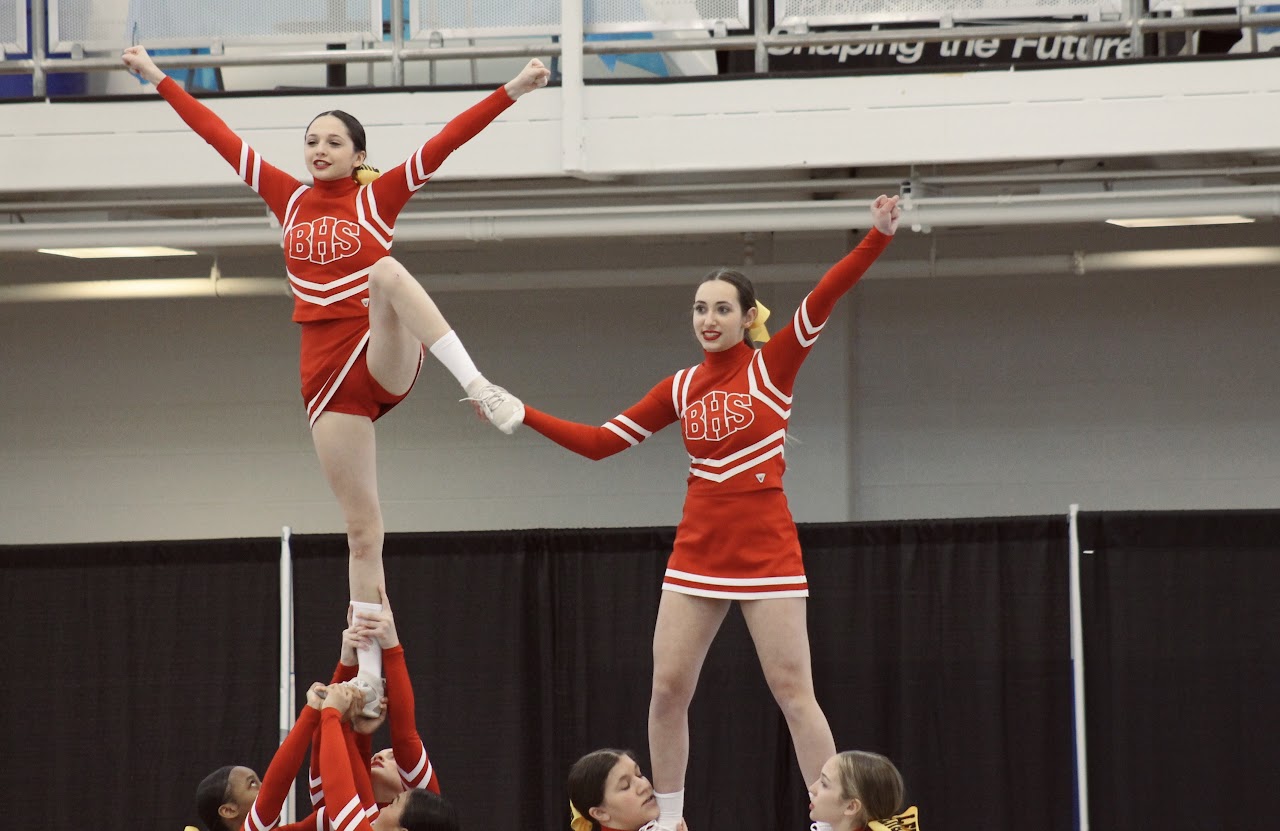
column 717, row 414
column 323, row 240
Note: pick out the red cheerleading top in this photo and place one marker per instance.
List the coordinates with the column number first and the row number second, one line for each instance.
column 333, row 231
column 736, row 538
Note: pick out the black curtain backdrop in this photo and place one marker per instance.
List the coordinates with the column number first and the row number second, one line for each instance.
column 941, row 644
column 134, row 670
column 946, row 646
column 1181, row 673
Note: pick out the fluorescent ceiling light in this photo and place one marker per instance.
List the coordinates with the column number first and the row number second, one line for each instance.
column 118, row 253
column 1172, row 221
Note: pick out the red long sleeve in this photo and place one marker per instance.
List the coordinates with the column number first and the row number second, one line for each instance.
column 392, row 189
column 412, row 761
column 788, row 348
column 843, row 275
column 627, row 429
column 265, row 811
column 359, row 761
column 341, row 673
column 346, row 813
column 272, row 184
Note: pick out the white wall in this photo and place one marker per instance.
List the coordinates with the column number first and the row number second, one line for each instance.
column 1140, row 109
column 929, row 397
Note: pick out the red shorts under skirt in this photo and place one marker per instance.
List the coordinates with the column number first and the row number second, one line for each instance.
column 335, row 372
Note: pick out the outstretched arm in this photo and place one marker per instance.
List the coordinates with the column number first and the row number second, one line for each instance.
column 344, row 671
column 627, row 429
column 280, row 774
column 272, row 184
column 341, row 793
column 407, row 747
column 392, row 190
column 782, row 356
column 843, row 275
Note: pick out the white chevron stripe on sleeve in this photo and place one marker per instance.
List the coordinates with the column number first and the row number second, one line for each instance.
column 257, row 822
column 384, row 241
column 289, row 210
column 373, row 209
column 416, row 183
column 806, row 332
column 622, row 434
column 410, row 775
column 640, row 431
column 352, row 807
column 684, row 390
column 764, row 376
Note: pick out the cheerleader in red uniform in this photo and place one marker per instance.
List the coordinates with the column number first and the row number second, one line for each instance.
column 608, row 792
column 365, row 320
column 405, row 765
column 736, row 540
column 861, row 791
column 232, row 798
column 346, row 792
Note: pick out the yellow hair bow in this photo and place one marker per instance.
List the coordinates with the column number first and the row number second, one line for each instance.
column 908, row 820
column 365, row 174
column 579, row 822
column 758, row 332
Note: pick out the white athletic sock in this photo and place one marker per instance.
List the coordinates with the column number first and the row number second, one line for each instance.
column 450, row 352
column 670, row 809
column 369, row 657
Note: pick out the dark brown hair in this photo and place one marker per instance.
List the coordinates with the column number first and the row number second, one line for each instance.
column 588, row 777
column 211, row 794
column 746, row 291
column 354, row 128
column 427, row 811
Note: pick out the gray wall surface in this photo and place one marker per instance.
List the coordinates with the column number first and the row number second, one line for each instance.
column 166, row 419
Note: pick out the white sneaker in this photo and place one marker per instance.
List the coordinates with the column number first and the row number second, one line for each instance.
column 504, row 410
column 369, row 686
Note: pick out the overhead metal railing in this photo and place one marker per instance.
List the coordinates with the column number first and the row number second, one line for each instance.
column 1127, row 180
column 1133, row 23
column 1076, row 263
column 920, row 213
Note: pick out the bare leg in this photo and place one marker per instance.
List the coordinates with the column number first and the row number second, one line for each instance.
column 685, row 629
column 347, row 451
column 781, row 636
column 348, row 454
column 401, row 316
